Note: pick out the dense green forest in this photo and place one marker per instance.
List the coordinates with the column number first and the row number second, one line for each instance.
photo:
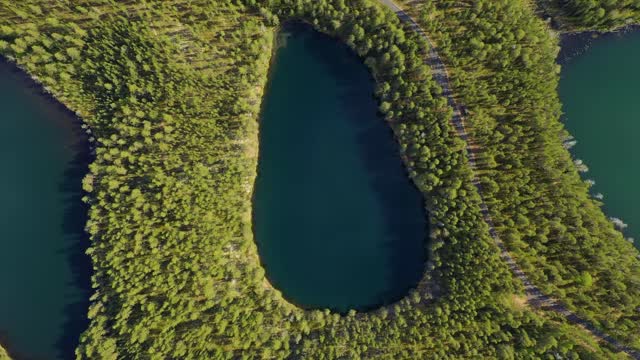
column 172, row 89
column 593, row 14
column 504, row 70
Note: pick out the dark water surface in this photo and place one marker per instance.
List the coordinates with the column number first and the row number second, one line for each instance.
column 44, row 273
column 338, row 223
column 600, row 92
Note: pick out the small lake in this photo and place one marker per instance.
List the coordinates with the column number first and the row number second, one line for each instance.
column 600, row 92
column 338, row 223
column 44, row 273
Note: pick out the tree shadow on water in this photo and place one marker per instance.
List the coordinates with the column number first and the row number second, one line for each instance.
column 406, row 226
column 76, row 243
column 14, row 353
column 73, row 221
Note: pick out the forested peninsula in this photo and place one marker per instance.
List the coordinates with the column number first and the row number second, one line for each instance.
column 172, row 91
column 505, row 73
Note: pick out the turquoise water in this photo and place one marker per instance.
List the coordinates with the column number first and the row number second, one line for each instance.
column 44, row 273
column 600, row 91
column 338, row 223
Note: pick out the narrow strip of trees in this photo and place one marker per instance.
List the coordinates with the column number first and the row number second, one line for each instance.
column 599, row 14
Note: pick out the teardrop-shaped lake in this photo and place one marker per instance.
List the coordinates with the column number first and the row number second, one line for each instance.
column 337, row 220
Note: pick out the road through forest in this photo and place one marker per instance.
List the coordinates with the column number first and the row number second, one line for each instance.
column 535, row 297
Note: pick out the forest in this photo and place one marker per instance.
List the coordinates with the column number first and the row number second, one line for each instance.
column 172, row 91
column 503, row 68
column 600, row 15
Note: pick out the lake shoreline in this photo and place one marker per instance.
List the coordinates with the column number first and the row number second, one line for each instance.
column 575, row 43
column 77, row 140
column 254, row 141
column 600, row 56
column 38, row 89
column 5, row 346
